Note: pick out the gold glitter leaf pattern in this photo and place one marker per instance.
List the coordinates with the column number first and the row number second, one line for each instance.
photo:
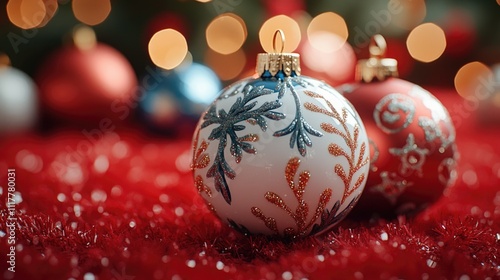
column 200, row 158
column 335, row 150
column 300, row 214
column 332, row 129
column 200, row 185
column 211, row 208
column 351, row 140
column 270, row 222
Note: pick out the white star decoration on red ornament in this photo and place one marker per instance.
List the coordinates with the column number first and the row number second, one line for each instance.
column 412, row 157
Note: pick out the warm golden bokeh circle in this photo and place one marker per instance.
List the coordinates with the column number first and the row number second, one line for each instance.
column 26, row 14
column 426, row 42
column 407, row 14
column 468, row 78
column 91, row 12
column 51, row 7
column 167, row 48
column 330, row 23
column 226, row 33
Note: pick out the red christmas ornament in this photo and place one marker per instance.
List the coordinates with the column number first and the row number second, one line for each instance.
column 86, row 82
column 460, row 31
column 412, row 139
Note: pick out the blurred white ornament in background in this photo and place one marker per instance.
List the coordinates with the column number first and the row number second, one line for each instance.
column 18, row 101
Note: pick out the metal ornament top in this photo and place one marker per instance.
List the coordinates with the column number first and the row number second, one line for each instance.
column 376, row 67
column 278, row 62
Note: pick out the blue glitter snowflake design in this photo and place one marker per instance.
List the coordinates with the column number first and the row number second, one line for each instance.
column 298, row 128
column 241, row 110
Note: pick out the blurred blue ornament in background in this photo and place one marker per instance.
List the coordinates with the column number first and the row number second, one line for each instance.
column 18, row 101
column 175, row 103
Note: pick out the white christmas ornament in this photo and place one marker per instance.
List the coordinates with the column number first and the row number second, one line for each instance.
column 281, row 154
column 18, row 101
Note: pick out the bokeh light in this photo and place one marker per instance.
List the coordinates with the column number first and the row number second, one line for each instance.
column 26, row 14
column 426, row 42
column 407, row 14
column 469, row 78
column 13, row 9
column 330, row 23
column 205, row 89
column 50, row 10
column 228, row 66
column 91, row 12
column 187, row 61
column 203, row 1
column 226, row 33
column 4, row 60
column 339, row 65
column 290, row 29
column 167, row 48
column 33, row 12
column 84, row 37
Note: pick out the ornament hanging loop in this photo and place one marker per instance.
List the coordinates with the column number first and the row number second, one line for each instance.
column 378, row 46
column 278, row 64
column 377, row 67
column 282, row 39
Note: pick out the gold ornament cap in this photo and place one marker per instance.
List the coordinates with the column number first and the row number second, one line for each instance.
column 278, row 61
column 377, row 67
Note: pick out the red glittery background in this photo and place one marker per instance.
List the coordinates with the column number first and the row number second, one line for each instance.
column 124, row 206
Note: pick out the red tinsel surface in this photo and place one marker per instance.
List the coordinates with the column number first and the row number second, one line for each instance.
column 123, row 206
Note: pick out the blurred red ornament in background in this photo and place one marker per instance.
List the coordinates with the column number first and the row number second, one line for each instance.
column 459, row 29
column 81, row 83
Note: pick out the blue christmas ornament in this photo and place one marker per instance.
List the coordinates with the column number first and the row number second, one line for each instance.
column 180, row 96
